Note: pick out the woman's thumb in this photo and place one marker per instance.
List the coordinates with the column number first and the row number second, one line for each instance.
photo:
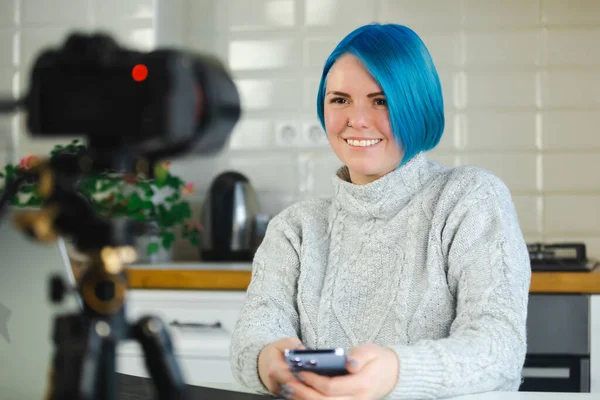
column 358, row 358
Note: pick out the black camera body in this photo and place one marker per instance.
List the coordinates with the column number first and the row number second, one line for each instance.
column 185, row 103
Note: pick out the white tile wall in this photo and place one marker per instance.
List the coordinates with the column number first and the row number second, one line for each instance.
column 521, row 81
column 27, row 26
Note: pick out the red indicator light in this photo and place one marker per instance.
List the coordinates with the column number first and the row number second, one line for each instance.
column 139, row 72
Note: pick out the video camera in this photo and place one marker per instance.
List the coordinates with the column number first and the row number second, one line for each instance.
column 133, row 109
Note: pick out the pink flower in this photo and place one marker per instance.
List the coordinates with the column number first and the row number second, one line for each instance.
column 28, row 162
column 188, row 188
column 130, row 178
column 196, row 225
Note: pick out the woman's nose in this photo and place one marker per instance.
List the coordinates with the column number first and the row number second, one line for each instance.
column 359, row 117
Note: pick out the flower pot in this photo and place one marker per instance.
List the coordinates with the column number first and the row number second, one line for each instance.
column 141, row 246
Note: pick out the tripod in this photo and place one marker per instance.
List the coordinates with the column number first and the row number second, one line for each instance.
column 83, row 365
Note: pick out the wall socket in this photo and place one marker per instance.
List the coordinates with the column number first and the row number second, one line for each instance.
column 299, row 134
column 287, row 133
column 313, row 135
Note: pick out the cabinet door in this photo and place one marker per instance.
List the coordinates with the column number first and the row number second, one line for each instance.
column 200, row 324
column 196, row 370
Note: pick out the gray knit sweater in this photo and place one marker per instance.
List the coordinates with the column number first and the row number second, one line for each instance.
column 427, row 260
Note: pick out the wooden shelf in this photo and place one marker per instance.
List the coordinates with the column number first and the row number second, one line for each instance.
column 190, row 279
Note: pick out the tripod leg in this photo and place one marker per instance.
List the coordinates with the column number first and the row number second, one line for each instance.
column 76, row 359
column 154, row 338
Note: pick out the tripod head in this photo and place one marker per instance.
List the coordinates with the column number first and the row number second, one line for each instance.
column 133, row 109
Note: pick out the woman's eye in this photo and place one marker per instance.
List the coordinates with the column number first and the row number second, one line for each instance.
column 381, row 102
column 338, row 100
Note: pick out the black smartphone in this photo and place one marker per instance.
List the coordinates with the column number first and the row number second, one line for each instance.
column 327, row 362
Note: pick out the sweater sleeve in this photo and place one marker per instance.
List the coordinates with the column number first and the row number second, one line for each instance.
column 489, row 266
column 269, row 312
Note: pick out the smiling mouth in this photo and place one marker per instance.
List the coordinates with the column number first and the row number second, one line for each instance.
column 362, row 143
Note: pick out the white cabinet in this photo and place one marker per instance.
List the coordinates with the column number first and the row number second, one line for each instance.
column 200, row 324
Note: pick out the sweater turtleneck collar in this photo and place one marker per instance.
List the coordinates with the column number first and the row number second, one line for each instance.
column 384, row 197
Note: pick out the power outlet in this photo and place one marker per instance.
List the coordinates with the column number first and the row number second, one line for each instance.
column 287, row 134
column 313, row 135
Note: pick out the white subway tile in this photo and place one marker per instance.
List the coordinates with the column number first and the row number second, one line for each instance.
column 9, row 47
column 452, row 88
column 108, row 11
column 139, row 38
column 447, row 160
column 573, row 88
column 273, row 171
column 56, row 11
column 419, row 14
column 272, row 203
column 571, row 172
column 36, row 39
column 252, row 134
column 570, row 130
column 318, row 49
column 502, row 49
column 451, row 135
column 445, row 48
column 270, row 94
column 501, row 13
column 200, row 170
column 7, row 82
column 529, row 211
column 325, row 166
column 263, row 54
column 571, row 12
column 575, row 47
column 348, row 13
column 518, row 171
column 207, row 16
column 311, row 89
column 500, row 130
column 572, row 214
column 592, row 243
column 8, row 14
column 260, row 14
column 501, row 89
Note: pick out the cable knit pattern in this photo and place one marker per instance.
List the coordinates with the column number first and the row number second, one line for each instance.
column 427, row 260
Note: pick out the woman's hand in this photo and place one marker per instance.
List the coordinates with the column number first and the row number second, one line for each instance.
column 373, row 375
column 273, row 370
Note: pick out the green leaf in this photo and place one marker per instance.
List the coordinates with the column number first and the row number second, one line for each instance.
column 152, row 248
column 146, row 205
column 168, row 239
column 134, row 202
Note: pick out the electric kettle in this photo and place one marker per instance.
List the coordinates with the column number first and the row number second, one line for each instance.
column 233, row 226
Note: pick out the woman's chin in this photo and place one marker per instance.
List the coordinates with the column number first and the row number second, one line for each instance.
column 366, row 173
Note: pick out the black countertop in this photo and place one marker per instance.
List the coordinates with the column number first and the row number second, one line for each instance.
column 138, row 388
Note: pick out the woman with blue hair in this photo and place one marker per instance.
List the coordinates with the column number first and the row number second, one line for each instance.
column 419, row 270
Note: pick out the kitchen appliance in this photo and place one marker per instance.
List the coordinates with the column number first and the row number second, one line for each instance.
column 233, row 224
column 558, row 344
column 566, row 257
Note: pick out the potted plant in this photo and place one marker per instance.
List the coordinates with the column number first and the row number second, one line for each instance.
column 161, row 201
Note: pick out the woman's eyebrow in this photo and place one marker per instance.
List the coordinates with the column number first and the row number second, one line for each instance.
column 339, row 93
column 347, row 95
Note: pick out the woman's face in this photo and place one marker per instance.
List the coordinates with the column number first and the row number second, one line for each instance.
column 352, row 97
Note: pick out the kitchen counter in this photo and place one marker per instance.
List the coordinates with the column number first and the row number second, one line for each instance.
column 236, row 276
column 479, row 396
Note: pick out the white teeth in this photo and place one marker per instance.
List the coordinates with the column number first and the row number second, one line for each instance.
column 363, row 143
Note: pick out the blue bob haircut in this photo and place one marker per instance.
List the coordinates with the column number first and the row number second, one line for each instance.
column 400, row 63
